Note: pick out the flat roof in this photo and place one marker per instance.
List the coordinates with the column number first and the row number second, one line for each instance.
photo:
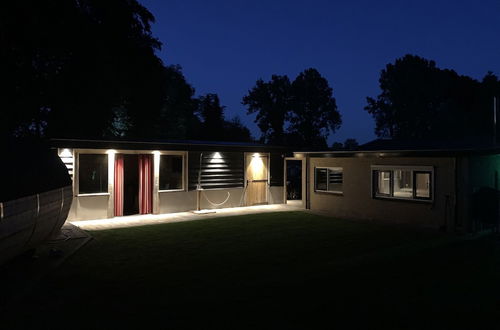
column 420, row 148
column 189, row 145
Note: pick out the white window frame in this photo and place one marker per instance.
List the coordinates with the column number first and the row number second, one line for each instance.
column 412, row 169
column 76, row 173
column 328, row 169
column 183, row 155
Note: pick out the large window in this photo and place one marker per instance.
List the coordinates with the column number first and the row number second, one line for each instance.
column 92, row 173
column 329, row 179
column 404, row 182
column 171, row 177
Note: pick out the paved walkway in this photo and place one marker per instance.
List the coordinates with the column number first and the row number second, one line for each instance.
column 151, row 219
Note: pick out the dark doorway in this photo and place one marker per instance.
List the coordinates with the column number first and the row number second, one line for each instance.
column 130, row 184
column 293, row 180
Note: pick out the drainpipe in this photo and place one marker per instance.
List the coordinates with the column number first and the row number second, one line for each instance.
column 494, row 120
column 455, row 197
column 198, row 187
column 308, row 194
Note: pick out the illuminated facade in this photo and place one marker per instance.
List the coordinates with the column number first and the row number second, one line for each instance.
column 113, row 178
column 445, row 189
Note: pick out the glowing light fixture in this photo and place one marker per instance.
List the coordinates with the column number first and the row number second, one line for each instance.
column 66, row 153
column 156, row 152
column 256, row 155
column 111, row 151
column 257, row 165
column 216, row 158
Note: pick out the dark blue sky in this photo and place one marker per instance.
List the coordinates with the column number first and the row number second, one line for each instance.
column 225, row 46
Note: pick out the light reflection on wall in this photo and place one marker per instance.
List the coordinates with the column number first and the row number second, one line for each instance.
column 257, row 164
column 216, row 158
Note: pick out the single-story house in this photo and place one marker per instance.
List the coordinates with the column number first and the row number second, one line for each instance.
column 118, row 178
column 452, row 188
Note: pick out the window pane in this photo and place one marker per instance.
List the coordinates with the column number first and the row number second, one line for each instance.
column 403, row 184
column 92, row 173
column 383, row 184
column 321, row 179
column 335, row 180
column 423, row 185
column 170, row 172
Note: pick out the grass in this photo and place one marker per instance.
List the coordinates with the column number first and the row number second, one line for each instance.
column 276, row 270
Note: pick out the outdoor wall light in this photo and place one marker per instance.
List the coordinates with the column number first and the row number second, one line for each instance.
column 216, row 158
column 66, row 153
column 111, row 152
column 257, row 164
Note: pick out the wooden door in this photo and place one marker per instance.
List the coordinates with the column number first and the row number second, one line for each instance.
column 257, row 175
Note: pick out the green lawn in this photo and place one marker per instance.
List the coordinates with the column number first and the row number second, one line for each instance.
column 276, row 270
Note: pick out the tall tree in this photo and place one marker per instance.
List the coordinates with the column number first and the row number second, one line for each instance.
column 314, row 111
column 420, row 101
column 235, row 131
column 212, row 114
column 271, row 101
column 214, row 127
column 72, row 67
column 351, row 144
column 302, row 113
column 178, row 118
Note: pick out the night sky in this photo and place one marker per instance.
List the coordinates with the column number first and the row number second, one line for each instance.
column 225, row 46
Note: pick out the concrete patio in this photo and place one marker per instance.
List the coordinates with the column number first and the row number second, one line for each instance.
column 152, row 219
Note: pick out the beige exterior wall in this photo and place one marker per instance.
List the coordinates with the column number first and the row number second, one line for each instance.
column 90, row 207
column 101, row 205
column 209, row 199
column 276, row 195
column 356, row 201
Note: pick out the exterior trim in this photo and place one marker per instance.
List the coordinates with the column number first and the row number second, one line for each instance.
column 413, row 169
column 334, row 168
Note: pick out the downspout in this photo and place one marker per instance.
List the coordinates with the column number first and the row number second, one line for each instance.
column 455, row 199
column 198, row 186
column 308, row 189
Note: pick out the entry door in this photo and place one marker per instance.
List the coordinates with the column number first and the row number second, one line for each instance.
column 257, row 178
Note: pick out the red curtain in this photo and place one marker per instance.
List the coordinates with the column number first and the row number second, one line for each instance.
column 118, row 185
column 145, row 184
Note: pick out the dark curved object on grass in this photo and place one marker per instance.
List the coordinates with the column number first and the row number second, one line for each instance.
column 35, row 197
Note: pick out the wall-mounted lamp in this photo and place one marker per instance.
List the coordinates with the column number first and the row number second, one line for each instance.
column 111, row 152
column 216, row 158
column 65, row 153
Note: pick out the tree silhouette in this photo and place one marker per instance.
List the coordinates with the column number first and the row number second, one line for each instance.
column 235, row 131
column 178, row 119
column 351, row 144
column 214, row 127
column 337, row 146
column 348, row 145
column 71, row 68
column 306, row 106
column 314, row 110
column 212, row 114
column 271, row 101
column 420, row 101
